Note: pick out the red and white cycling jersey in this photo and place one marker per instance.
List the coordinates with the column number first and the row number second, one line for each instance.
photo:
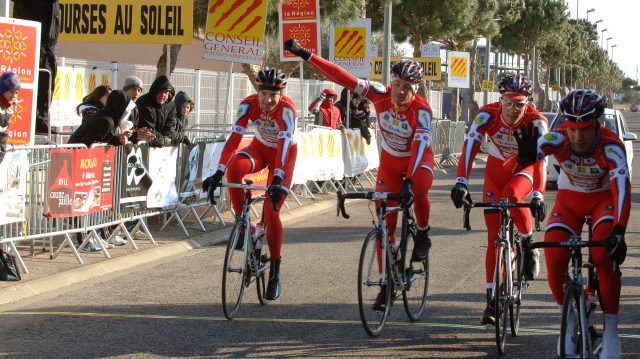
column 502, row 141
column 274, row 130
column 604, row 169
column 405, row 133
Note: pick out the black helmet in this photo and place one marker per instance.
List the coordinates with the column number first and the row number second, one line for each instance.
column 271, row 79
column 519, row 84
column 408, row 70
column 581, row 107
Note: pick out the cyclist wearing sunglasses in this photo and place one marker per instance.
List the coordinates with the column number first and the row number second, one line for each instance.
column 500, row 121
column 594, row 180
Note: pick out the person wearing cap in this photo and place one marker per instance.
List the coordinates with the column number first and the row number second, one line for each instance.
column 406, row 159
column 9, row 88
column 274, row 146
column 327, row 114
column 157, row 112
column 133, row 86
column 594, row 180
column 184, row 106
column 500, row 121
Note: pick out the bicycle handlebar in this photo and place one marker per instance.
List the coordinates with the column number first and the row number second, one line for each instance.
column 243, row 186
column 372, row 196
column 573, row 244
column 503, row 204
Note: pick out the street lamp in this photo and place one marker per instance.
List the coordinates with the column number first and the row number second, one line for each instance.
column 588, row 11
column 602, row 37
column 597, row 22
column 608, row 38
column 612, row 46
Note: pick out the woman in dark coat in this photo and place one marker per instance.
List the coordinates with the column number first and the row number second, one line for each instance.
column 93, row 102
column 103, row 126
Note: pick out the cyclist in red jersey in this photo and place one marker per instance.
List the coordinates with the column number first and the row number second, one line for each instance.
column 500, row 121
column 274, row 118
column 594, row 180
column 404, row 120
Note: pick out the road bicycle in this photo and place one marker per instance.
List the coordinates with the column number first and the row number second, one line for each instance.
column 579, row 298
column 508, row 279
column 246, row 259
column 399, row 274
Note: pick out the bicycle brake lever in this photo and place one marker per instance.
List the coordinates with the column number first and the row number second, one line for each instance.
column 341, row 208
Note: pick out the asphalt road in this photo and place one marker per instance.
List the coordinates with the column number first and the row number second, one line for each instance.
column 172, row 309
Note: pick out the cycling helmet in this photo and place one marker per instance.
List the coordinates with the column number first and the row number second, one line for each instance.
column 271, row 79
column 581, row 108
column 515, row 86
column 408, row 70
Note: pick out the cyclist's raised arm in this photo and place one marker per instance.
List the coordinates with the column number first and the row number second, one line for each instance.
column 472, row 145
column 237, row 131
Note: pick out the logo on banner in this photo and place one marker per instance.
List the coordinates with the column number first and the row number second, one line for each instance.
column 135, row 168
column 350, row 42
column 458, row 66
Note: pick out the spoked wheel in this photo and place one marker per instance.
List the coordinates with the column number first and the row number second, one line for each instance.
column 417, row 279
column 370, row 284
column 234, row 276
column 500, row 299
column 263, row 256
column 575, row 340
column 518, row 286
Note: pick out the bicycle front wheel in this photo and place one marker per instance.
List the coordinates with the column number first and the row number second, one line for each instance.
column 500, row 298
column 262, row 256
column 370, row 283
column 416, row 282
column 575, row 339
column 518, row 287
column 234, row 276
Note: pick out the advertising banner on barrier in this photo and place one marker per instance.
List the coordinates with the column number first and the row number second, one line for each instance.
column 136, row 180
column 372, row 151
column 20, row 53
column 71, row 85
column 324, row 155
column 191, row 170
column 83, row 181
column 126, row 21
column 163, row 192
column 235, row 31
column 354, row 153
column 13, row 186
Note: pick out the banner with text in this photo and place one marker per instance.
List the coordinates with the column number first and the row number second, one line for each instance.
column 136, row 180
column 299, row 20
column 20, row 53
column 81, row 181
column 458, row 74
column 430, row 66
column 349, row 47
column 235, row 31
column 126, row 21
column 13, row 186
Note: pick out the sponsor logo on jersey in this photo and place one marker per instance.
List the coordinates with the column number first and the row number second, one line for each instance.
column 378, row 87
column 551, row 136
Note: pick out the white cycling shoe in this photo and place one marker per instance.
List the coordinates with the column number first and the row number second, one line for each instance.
column 611, row 347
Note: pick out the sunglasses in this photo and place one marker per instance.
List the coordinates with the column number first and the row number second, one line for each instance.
column 510, row 104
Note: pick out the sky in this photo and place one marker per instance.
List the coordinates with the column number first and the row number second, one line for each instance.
column 620, row 18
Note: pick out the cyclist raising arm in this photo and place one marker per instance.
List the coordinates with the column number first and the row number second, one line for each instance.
column 404, row 119
column 587, row 152
column 274, row 118
column 500, row 121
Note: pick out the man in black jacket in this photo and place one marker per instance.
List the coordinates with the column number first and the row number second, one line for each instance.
column 157, row 112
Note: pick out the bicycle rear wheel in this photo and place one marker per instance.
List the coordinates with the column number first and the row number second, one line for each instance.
column 579, row 336
column 370, row 284
column 416, row 277
column 500, row 298
column 518, row 287
column 234, row 276
column 263, row 256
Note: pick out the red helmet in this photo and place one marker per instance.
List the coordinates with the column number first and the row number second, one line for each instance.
column 517, row 85
column 271, row 79
column 581, row 108
column 408, row 70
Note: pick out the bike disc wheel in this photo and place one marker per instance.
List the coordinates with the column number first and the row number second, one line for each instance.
column 500, row 299
column 369, row 285
column 517, row 275
column 263, row 256
column 416, row 278
column 234, row 276
column 574, row 301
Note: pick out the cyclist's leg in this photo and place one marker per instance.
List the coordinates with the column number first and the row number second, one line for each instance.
column 422, row 179
column 492, row 221
column 389, row 179
column 609, row 282
column 248, row 160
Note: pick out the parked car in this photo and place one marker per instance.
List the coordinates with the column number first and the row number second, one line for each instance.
column 613, row 120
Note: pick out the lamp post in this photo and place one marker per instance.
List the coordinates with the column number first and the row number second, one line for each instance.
column 612, row 46
column 608, row 38
column 588, row 11
column 597, row 22
column 602, row 37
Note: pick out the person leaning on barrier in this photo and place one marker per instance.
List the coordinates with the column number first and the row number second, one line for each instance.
column 93, row 102
column 407, row 160
column 184, row 106
column 157, row 112
column 133, row 87
column 594, row 180
column 274, row 117
column 9, row 88
column 501, row 121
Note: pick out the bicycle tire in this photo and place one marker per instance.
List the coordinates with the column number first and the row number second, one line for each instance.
column 416, row 277
column 263, row 256
column 234, row 276
column 517, row 275
column 499, row 299
column 574, row 300
column 369, row 285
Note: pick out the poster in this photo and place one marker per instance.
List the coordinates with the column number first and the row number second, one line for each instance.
column 349, row 47
column 13, row 186
column 135, row 181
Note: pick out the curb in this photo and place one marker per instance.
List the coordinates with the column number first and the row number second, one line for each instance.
column 56, row 281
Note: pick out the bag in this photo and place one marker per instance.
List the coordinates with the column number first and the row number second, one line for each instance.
column 8, row 269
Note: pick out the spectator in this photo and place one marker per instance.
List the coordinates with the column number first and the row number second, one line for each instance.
column 93, row 102
column 133, row 86
column 9, row 88
column 359, row 114
column 184, row 106
column 46, row 12
column 158, row 112
column 326, row 113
